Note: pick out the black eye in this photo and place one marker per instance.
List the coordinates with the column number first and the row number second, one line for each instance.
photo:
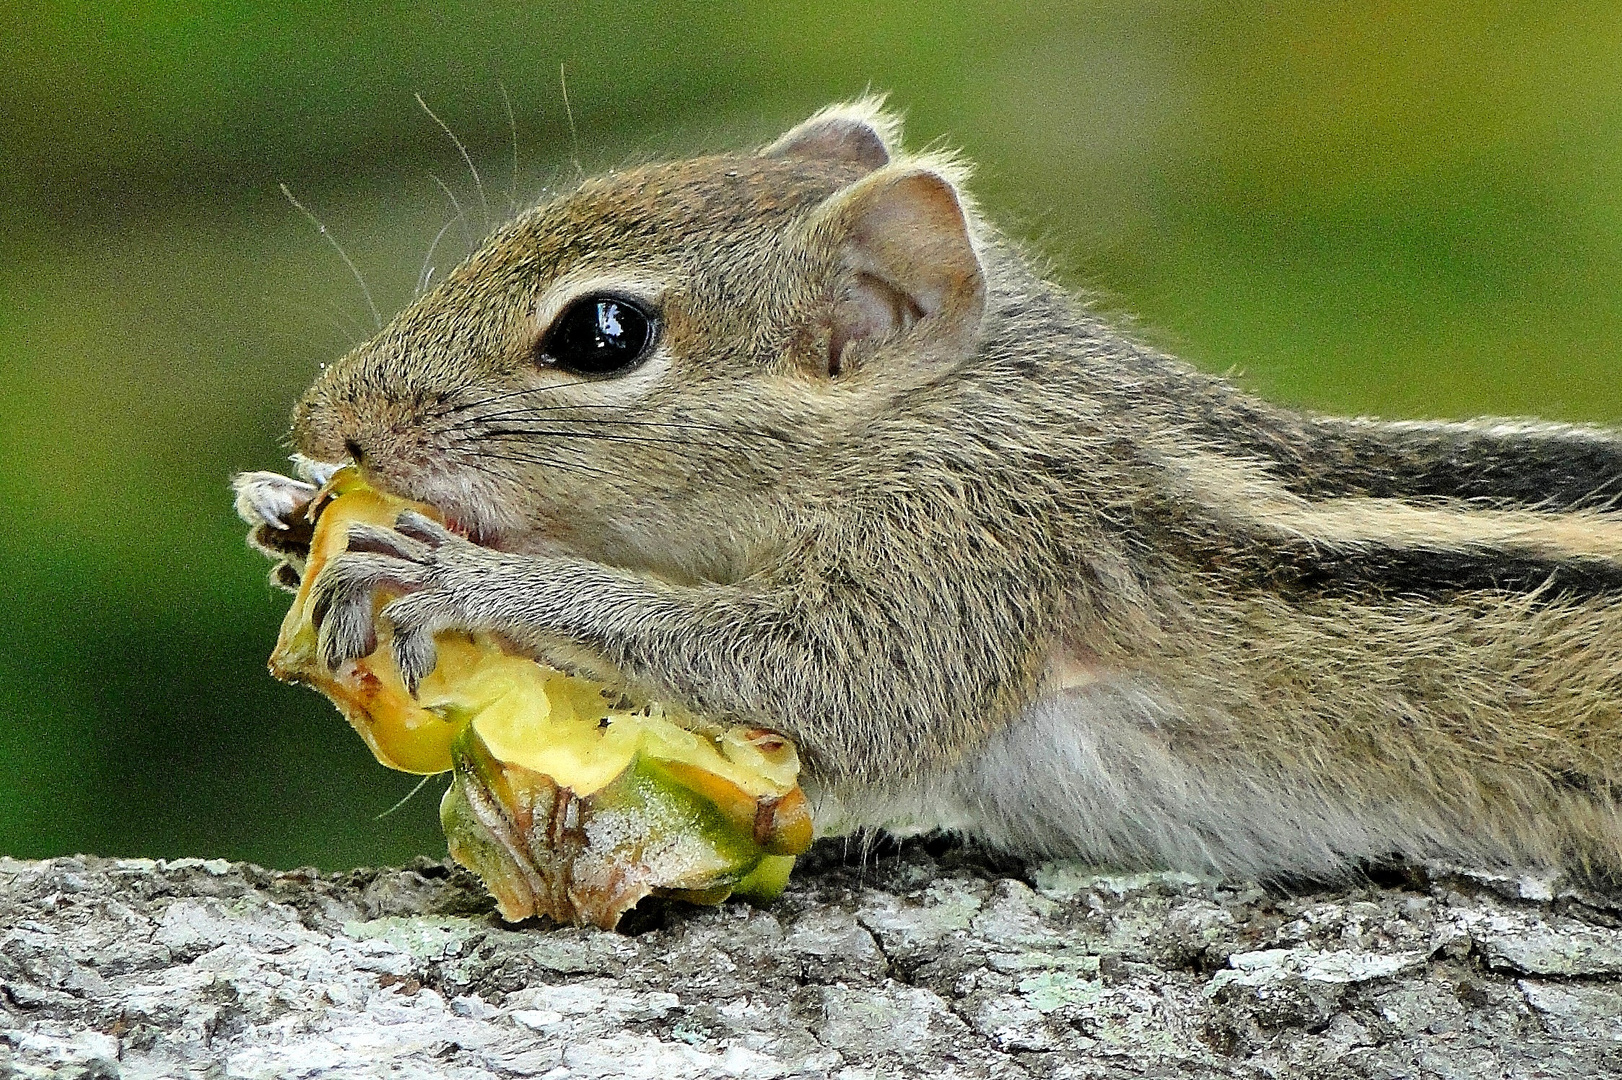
column 599, row 335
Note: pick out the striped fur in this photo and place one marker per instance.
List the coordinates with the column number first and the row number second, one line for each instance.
column 1312, row 643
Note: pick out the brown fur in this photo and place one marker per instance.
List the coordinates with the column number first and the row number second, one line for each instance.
column 1389, row 638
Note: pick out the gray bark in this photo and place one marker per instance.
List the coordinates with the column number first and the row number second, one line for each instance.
column 907, row 964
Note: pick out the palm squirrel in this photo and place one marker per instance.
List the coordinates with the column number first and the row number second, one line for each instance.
column 795, row 438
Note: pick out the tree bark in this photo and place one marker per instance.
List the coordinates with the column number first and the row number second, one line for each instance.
column 918, row 961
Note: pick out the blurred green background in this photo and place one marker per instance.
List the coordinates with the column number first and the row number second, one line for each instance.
column 1410, row 209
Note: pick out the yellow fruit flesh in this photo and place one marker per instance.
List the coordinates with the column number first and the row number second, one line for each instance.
column 568, row 801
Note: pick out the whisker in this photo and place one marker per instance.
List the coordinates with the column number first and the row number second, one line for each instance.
column 339, row 248
column 475, row 461
column 574, row 136
column 427, row 270
column 528, row 413
column 541, row 425
column 512, row 126
column 344, row 323
column 520, row 433
column 467, row 231
column 478, row 185
column 744, row 441
column 494, row 398
column 731, row 440
column 533, row 410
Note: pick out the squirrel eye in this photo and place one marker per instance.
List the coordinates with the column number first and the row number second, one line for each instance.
column 598, row 335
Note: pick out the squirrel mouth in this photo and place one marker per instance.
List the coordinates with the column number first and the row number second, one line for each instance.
column 450, row 503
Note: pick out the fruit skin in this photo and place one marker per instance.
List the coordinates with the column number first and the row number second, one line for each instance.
column 564, row 803
column 541, row 849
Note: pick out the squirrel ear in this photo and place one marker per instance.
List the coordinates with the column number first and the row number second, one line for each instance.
column 843, row 133
column 905, row 245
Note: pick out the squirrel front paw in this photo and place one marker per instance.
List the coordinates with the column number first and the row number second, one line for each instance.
column 274, row 507
column 427, row 566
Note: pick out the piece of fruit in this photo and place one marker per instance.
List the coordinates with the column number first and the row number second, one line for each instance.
column 568, row 799
column 401, row 733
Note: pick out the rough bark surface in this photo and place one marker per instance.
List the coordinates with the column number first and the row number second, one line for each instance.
column 905, row 964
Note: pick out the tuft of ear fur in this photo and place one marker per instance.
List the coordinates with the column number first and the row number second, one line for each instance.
column 859, row 132
column 908, row 259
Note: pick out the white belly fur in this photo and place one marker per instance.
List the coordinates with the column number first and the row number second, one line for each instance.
column 1088, row 772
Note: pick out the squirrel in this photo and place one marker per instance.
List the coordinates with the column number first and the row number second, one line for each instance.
column 794, row 437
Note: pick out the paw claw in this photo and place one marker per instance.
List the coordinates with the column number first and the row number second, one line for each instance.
column 415, row 655
column 422, row 529
column 267, row 498
column 315, row 472
column 346, row 634
column 341, row 608
column 415, row 619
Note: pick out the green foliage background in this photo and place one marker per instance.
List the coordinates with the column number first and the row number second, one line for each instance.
column 1405, row 208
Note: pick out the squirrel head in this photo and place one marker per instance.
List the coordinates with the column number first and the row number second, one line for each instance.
column 632, row 369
